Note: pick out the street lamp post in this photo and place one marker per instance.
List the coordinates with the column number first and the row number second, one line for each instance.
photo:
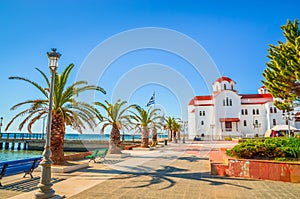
column 183, row 129
column 288, row 116
column 45, row 185
column 1, row 119
column 257, row 126
column 212, row 126
column 43, row 129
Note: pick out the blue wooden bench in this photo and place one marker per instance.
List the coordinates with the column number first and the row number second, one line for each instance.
column 19, row 166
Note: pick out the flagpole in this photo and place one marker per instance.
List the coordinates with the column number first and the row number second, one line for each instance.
column 154, row 98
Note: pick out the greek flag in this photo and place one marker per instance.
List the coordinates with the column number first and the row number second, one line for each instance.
column 152, row 100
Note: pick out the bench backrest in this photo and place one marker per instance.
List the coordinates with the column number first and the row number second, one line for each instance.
column 19, row 166
column 102, row 151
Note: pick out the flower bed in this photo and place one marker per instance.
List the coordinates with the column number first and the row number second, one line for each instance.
column 265, row 167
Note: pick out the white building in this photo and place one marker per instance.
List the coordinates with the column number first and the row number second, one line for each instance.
column 227, row 113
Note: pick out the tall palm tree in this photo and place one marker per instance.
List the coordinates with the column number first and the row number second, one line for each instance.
column 169, row 121
column 155, row 125
column 176, row 130
column 142, row 119
column 67, row 111
column 117, row 118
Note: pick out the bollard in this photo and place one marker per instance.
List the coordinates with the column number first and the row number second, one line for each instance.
column 25, row 146
column 6, row 145
column 19, row 145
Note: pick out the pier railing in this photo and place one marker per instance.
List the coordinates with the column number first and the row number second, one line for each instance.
column 21, row 136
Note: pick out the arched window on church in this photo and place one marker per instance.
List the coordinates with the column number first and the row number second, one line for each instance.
column 246, row 112
column 257, row 112
column 274, row 122
column 275, row 110
column 227, row 103
column 271, row 110
column 203, row 113
column 200, row 113
column 224, row 102
column 245, row 123
column 253, row 111
column 242, row 111
column 230, row 102
column 231, row 87
column 224, row 86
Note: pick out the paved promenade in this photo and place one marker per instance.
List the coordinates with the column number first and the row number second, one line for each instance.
column 176, row 171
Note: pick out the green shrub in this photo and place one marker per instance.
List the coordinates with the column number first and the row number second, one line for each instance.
column 266, row 149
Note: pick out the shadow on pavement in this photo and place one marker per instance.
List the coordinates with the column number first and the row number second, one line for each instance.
column 169, row 173
column 26, row 185
column 193, row 158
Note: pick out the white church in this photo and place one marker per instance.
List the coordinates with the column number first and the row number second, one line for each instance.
column 227, row 113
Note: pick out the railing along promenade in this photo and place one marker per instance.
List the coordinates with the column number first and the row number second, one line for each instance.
column 36, row 141
column 9, row 140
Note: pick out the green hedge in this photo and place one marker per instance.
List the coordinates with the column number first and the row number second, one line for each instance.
column 273, row 148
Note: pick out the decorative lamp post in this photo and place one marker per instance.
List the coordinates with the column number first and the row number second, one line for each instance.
column 1, row 119
column 212, row 126
column 45, row 185
column 182, row 129
column 257, row 126
column 288, row 116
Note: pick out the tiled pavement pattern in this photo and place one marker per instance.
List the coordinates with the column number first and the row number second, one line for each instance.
column 176, row 171
column 186, row 176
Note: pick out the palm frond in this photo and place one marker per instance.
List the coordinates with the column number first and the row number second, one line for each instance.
column 32, row 83
column 44, row 76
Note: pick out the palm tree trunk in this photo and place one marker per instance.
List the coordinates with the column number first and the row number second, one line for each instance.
column 114, row 140
column 174, row 136
column 145, row 137
column 57, row 139
column 154, row 136
column 170, row 135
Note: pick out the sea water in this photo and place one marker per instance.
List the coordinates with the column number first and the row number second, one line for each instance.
column 14, row 154
column 8, row 155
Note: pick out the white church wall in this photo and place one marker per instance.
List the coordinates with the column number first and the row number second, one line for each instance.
column 191, row 122
column 226, row 103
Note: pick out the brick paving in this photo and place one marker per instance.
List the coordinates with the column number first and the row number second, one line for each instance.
column 187, row 176
column 176, row 171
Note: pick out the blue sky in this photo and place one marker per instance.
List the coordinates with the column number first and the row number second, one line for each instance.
column 235, row 34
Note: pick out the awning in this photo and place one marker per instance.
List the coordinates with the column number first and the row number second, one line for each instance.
column 229, row 119
column 283, row 128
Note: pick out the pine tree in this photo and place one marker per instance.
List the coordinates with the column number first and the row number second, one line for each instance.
column 282, row 75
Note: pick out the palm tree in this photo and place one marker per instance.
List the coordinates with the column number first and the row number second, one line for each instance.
column 176, row 130
column 117, row 118
column 67, row 111
column 155, row 125
column 169, row 121
column 173, row 127
column 142, row 119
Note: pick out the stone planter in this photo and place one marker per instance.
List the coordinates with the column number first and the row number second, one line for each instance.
column 77, row 156
column 218, row 169
column 264, row 169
